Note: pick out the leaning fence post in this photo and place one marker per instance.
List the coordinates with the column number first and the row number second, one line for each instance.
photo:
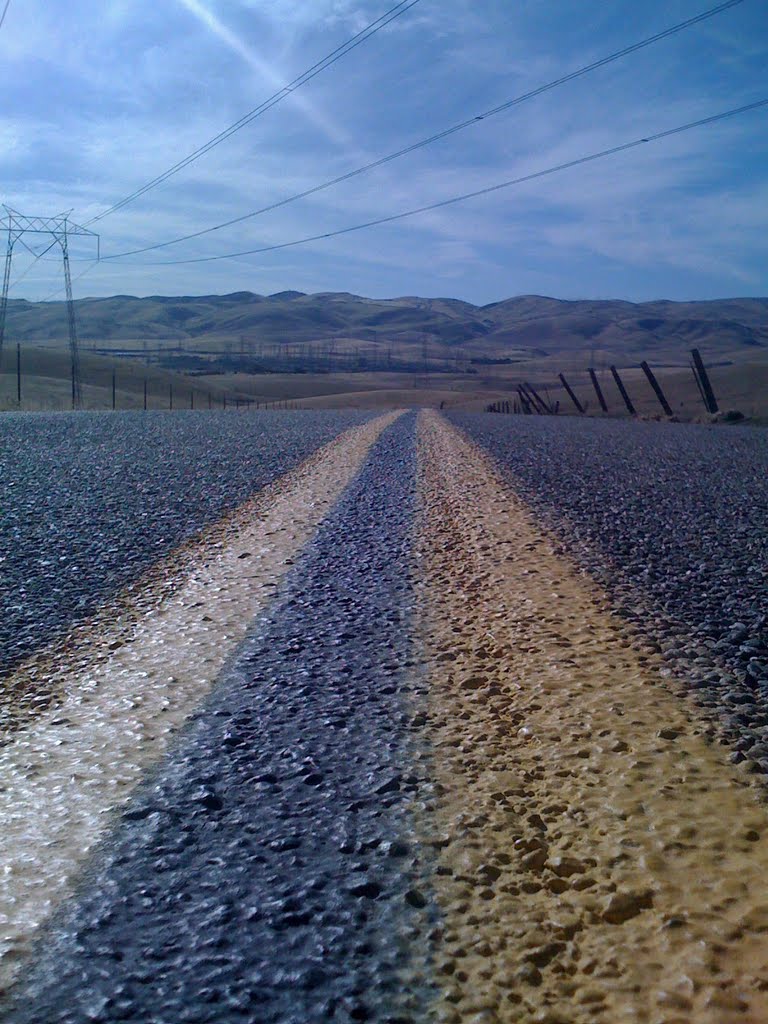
column 535, row 394
column 699, row 388
column 656, row 387
column 709, row 396
column 538, row 403
column 623, row 391
column 524, row 401
column 598, row 389
column 571, row 394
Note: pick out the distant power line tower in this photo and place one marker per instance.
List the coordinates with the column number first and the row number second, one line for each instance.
column 59, row 229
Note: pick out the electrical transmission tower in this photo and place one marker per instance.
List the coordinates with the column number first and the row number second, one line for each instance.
column 59, row 230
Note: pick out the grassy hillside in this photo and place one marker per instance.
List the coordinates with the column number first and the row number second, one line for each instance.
column 331, row 326
column 337, row 349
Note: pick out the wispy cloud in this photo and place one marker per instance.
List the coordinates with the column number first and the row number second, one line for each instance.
column 264, row 69
column 138, row 85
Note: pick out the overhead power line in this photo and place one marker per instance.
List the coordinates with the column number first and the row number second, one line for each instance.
column 567, row 165
column 341, row 51
column 58, row 291
column 24, row 273
column 5, row 11
column 673, row 30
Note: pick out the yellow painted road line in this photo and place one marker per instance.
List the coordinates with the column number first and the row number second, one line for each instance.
column 599, row 860
column 115, row 695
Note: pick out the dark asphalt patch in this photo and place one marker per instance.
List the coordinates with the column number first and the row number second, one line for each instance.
column 265, row 872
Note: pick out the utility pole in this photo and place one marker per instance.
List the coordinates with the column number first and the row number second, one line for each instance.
column 59, row 229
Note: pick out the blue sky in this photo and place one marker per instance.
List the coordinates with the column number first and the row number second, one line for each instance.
column 99, row 96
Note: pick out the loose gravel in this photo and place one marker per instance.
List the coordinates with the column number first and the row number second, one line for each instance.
column 673, row 521
column 90, row 500
column 266, row 872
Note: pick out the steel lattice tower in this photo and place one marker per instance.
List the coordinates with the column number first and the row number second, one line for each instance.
column 59, row 229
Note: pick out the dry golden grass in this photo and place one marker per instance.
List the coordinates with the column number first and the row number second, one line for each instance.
column 46, row 385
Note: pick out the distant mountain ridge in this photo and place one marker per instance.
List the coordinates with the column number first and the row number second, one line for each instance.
column 522, row 324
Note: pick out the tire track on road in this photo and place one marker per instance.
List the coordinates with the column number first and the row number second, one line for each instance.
column 599, row 859
column 128, row 679
column 266, row 871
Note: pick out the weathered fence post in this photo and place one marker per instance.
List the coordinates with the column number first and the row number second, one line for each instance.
column 545, row 406
column 114, row 392
column 18, row 373
column 524, row 401
column 623, row 391
column 656, row 387
column 538, row 403
column 145, row 394
column 598, row 389
column 698, row 385
column 709, row 396
column 571, row 394
column 170, row 395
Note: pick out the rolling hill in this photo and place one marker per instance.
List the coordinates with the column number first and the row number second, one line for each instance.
column 524, row 327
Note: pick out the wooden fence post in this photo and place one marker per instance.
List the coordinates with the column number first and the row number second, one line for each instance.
column 709, row 396
column 698, row 385
column 623, row 391
column 598, row 389
column 525, row 402
column 656, row 387
column 571, row 395
column 538, row 403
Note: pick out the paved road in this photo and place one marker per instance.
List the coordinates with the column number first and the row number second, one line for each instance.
column 265, row 871
column 438, row 782
column 91, row 500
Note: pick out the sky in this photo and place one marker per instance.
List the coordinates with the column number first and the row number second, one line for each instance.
column 100, row 96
